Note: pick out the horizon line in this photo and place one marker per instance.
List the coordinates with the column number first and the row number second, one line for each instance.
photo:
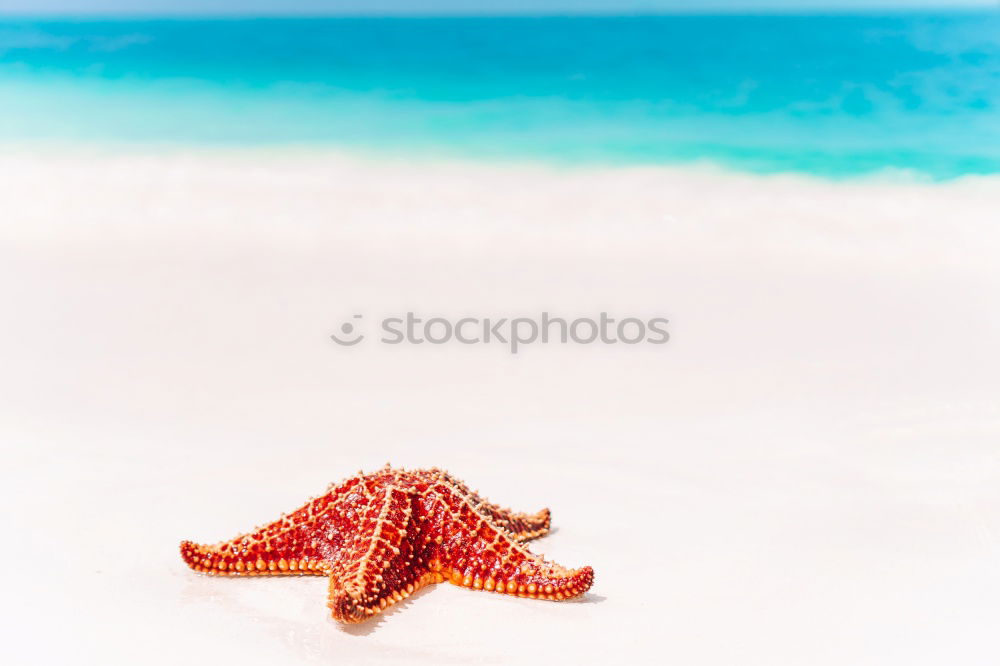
column 944, row 8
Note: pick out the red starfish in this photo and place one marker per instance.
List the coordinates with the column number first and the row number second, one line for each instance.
column 379, row 537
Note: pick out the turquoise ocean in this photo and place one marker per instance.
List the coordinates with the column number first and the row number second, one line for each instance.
column 831, row 95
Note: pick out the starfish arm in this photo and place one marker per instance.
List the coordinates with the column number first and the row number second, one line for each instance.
column 299, row 543
column 525, row 526
column 377, row 565
column 522, row 526
column 474, row 552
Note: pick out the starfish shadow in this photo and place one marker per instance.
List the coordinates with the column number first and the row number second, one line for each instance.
column 370, row 625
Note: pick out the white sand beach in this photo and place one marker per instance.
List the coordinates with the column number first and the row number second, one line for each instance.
column 807, row 473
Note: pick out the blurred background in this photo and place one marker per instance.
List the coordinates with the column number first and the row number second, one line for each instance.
column 829, row 94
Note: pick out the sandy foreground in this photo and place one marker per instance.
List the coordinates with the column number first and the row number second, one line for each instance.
column 807, row 473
